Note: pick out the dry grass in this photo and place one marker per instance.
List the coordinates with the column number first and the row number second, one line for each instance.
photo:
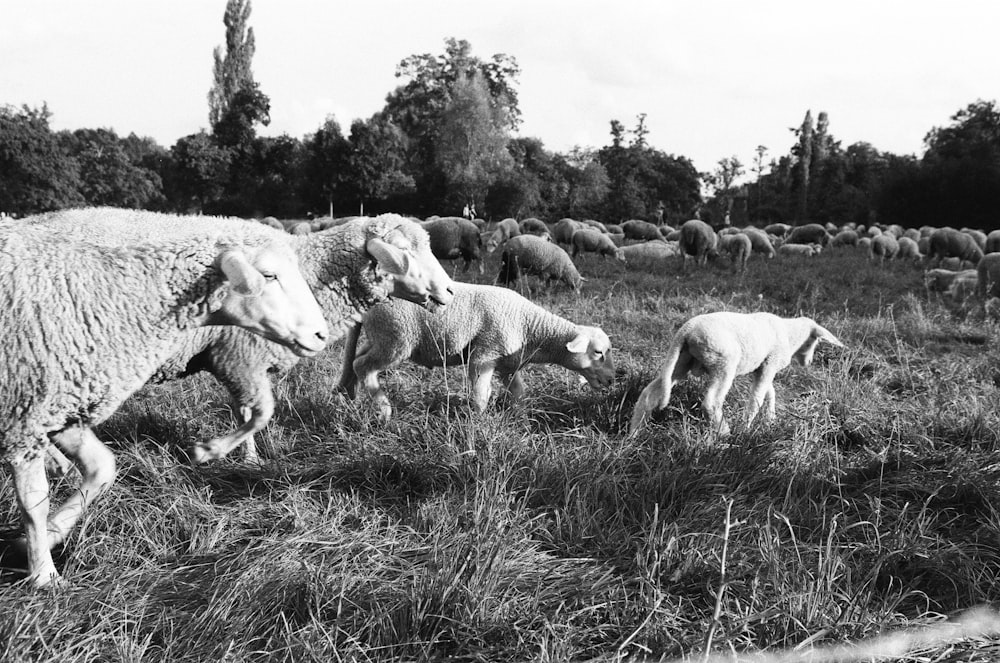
column 540, row 531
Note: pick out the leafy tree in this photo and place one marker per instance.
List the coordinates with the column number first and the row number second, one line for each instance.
column 721, row 181
column 232, row 72
column 108, row 175
column 804, row 153
column 376, row 160
column 36, row 172
column 587, row 184
column 327, row 167
column 201, row 170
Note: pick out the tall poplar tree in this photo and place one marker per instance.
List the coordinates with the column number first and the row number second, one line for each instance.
column 232, row 73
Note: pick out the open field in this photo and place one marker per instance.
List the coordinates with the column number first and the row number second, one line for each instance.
column 541, row 532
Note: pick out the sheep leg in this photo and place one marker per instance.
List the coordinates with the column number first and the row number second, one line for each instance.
column 254, row 400
column 97, row 470
column 56, row 464
column 761, row 391
column 367, row 366
column 348, row 382
column 656, row 395
column 714, row 398
column 481, row 378
column 514, row 384
column 32, row 491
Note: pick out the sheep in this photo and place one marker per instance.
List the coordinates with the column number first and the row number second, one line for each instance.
column 992, row 242
column 845, row 237
column 957, row 264
column 562, row 231
column 865, row 243
column 454, row 237
column 759, row 241
column 486, row 328
column 978, row 236
column 698, row 240
column 272, row 222
column 91, row 302
column 873, row 231
column 349, row 268
column 912, row 233
column 592, row 240
column 948, row 242
column 798, row 250
column 614, row 229
column 964, row 285
column 939, row 280
column 633, row 253
column 992, row 308
column 724, row 345
column 909, row 249
column 641, row 230
column 738, row 247
column 779, row 229
column 533, row 226
column 988, row 271
column 505, row 230
column 811, row 233
column 300, row 228
column 534, row 255
column 884, row 247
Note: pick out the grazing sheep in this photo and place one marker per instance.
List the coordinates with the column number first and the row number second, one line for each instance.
column 562, row 231
column 992, row 242
column 873, row 231
column 649, row 251
column 759, row 241
column 884, row 247
column 738, row 247
column 614, row 229
column 988, row 271
column 505, row 230
column 596, row 224
column 592, row 240
column 533, row 226
column 724, row 345
column 811, row 233
column 924, row 245
column 957, row 264
column 845, row 238
column 300, row 228
column 533, row 255
column 909, row 249
column 865, row 243
column 978, row 236
column 912, row 233
column 698, row 240
column 798, row 250
column 272, row 222
column 778, row 229
column 486, row 328
column 950, row 243
column 91, row 303
column 939, row 279
column 350, row 268
column 643, row 231
column 964, row 286
column 992, row 308
column 454, row 237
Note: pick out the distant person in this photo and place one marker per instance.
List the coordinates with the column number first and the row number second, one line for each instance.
column 472, row 211
column 465, row 211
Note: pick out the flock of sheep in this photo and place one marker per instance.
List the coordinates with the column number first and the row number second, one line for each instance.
column 98, row 302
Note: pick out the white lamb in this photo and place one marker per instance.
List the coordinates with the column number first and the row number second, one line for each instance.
column 487, row 328
column 86, row 320
column 350, row 268
column 723, row 345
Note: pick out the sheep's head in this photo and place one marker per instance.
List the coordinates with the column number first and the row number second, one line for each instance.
column 804, row 355
column 265, row 293
column 590, row 356
column 405, row 254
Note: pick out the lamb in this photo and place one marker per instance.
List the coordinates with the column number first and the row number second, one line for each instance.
column 486, row 328
column 534, row 255
column 738, row 247
column 948, row 242
column 350, row 268
column 505, row 230
column 641, row 230
column 810, row 233
column 91, row 302
column 454, row 237
column 697, row 239
column 884, row 247
column 798, row 250
column 909, row 249
column 591, row 240
column 724, row 345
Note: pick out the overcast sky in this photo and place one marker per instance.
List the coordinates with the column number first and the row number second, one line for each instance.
column 716, row 78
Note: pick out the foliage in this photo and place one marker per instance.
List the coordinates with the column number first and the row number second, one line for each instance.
column 232, row 67
column 108, row 173
column 201, row 170
column 376, row 161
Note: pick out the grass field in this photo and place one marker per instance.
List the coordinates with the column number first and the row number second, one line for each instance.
column 540, row 531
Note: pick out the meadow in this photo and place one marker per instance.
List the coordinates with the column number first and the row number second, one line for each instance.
column 539, row 530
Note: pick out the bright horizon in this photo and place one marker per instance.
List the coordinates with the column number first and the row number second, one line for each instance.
column 715, row 79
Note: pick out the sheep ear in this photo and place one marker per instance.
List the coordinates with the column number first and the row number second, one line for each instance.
column 242, row 276
column 578, row 344
column 390, row 258
column 824, row 335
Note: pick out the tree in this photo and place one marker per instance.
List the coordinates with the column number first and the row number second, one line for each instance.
column 804, row 154
column 326, row 166
column 721, row 182
column 232, row 72
column 36, row 172
column 376, row 160
column 201, row 169
column 108, row 176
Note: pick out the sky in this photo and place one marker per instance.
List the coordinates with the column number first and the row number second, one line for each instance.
column 715, row 78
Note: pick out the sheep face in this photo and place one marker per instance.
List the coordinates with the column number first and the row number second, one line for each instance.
column 267, row 295
column 417, row 276
column 804, row 355
column 590, row 356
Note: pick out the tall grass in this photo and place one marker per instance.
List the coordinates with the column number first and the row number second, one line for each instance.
column 539, row 531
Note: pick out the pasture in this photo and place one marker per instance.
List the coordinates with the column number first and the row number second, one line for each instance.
column 541, row 531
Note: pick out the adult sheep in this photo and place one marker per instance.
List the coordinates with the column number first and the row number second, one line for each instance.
column 909, row 249
column 350, row 268
column 992, row 242
column 531, row 254
column 798, row 250
column 810, row 233
column 988, row 273
column 592, row 240
column 489, row 330
column 777, row 229
column 951, row 243
column 884, row 247
column 759, row 241
column 562, row 231
column 698, row 240
column 737, row 247
column 845, row 237
column 642, row 231
column 648, row 252
column 88, row 318
column 454, row 237
column 533, row 226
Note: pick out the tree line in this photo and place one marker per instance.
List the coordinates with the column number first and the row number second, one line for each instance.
column 447, row 137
